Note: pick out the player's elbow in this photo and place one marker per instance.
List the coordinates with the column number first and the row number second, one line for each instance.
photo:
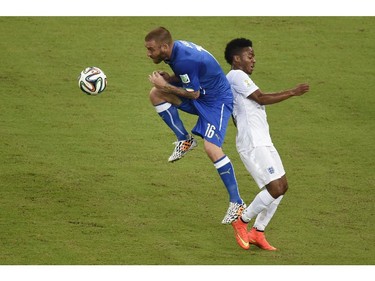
column 262, row 102
column 263, row 99
column 259, row 98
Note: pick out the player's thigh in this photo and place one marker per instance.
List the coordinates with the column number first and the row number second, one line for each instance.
column 158, row 97
column 187, row 105
column 264, row 164
column 212, row 123
column 278, row 164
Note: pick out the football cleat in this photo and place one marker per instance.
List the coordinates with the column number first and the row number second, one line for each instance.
column 234, row 211
column 181, row 148
column 240, row 232
column 259, row 239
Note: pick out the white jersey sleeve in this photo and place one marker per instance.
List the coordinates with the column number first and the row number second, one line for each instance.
column 242, row 84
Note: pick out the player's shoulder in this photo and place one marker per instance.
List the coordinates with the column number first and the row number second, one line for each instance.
column 237, row 75
column 185, row 50
column 184, row 44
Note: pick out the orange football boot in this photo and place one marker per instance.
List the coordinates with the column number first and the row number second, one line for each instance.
column 259, row 239
column 240, row 232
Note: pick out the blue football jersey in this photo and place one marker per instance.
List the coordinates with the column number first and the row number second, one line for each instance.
column 199, row 70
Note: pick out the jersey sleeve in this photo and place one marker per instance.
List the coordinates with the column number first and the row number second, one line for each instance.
column 243, row 84
column 189, row 76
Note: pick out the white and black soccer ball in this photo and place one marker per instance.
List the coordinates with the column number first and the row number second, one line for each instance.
column 92, row 81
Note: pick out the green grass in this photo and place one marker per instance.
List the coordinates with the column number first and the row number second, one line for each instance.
column 85, row 180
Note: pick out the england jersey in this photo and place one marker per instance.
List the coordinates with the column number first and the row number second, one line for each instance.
column 199, row 70
column 251, row 117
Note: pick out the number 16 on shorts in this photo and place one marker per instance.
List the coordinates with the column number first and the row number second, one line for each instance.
column 210, row 131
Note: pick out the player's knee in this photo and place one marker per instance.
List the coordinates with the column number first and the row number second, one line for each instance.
column 153, row 93
column 277, row 188
column 284, row 188
column 213, row 151
column 284, row 185
column 280, row 190
column 155, row 96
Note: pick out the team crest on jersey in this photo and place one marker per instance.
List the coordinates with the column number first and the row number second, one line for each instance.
column 271, row 170
column 185, row 78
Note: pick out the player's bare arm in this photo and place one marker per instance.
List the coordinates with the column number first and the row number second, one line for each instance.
column 169, row 78
column 160, row 83
column 271, row 98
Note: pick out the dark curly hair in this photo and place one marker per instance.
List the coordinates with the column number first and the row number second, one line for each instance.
column 234, row 48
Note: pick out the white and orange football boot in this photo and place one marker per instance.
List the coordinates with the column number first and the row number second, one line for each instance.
column 182, row 147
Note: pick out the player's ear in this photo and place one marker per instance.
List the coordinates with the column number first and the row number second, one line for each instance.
column 236, row 60
column 164, row 47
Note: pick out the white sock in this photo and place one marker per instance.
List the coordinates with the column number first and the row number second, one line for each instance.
column 260, row 202
column 264, row 217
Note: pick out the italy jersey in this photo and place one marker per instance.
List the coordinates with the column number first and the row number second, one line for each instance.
column 199, row 70
column 251, row 117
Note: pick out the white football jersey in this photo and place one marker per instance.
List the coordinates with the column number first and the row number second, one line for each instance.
column 250, row 117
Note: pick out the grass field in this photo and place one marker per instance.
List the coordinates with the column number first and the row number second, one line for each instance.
column 85, row 180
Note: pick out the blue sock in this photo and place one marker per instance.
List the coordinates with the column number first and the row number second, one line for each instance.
column 226, row 172
column 169, row 114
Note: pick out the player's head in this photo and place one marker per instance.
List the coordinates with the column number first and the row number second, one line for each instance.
column 239, row 54
column 159, row 43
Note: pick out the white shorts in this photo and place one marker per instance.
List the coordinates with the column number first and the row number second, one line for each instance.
column 264, row 164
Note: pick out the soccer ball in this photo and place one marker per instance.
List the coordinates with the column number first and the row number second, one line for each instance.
column 92, row 81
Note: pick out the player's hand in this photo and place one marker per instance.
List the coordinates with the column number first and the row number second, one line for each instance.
column 300, row 89
column 165, row 75
column 157, row 79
